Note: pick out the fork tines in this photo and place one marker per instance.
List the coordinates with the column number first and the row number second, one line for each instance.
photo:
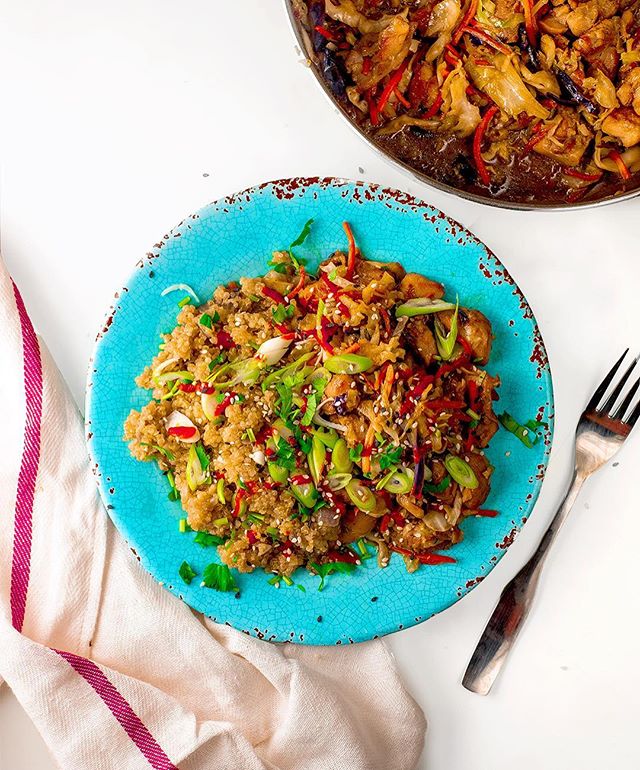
column 625, row 407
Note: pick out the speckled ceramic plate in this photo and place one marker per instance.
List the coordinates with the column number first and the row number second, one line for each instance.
column 235, row 237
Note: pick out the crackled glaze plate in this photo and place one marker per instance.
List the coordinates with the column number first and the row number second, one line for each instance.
column 234, row 237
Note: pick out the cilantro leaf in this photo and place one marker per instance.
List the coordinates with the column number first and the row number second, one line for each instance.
column 310, row 410
column 218, row 577
column 355, row 453
column 202, row 456
column 205, row 539
column 324, row 570
column 186, row 572
column 206, row 320
column 166, row 452
column 390, row 457
column 281, row 312
column 304, row 234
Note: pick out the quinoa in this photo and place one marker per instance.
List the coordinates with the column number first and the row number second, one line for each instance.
column 300, row 417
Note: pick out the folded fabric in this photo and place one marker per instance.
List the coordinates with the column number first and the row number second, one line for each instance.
column 117, row 673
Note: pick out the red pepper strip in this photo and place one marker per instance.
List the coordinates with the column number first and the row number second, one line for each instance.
column 473, row 390
column 326, row 33
column 300, row 478
column 464, row 345
column 373, row 109
column 622, row 166
column 433, row 110
column 581, row 175
column 451, row 59
column 383, row 524
column 530, row 22
column 423, row 558
column 392, row 84
column 225, row 340
column 489, row 512
column 449, row 367
column 348, row 557
column 252, row 487
column 325, row 345
column 274, row 295
column 538, row 135
column 469, row 441
column 386, row 320
column 487, row 38
column 270, row 484
column 251, row 537
column 469, row 14
column 483, row 172
column 351, row 259
column 401, row 98
column 188, row 387
column 182, row 431
column 300, row 285
column 284, row 330
column 414, row 394
column 226, row 401
column 444, row 403
column 206, row 389
column 240, row 494
column 330, row 284
column 398, row 519
column 344, row 309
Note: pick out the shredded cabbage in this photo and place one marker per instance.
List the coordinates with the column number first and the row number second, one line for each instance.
column 503, row 85
column 462, row 117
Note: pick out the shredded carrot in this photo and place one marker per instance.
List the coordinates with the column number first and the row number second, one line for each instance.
column 435, row 107
column 351, row 349
column 351, row 259
column 481, row 129
column 539, row 133
column 466, row 19
column 530, row 21
column 401, row 98
column 326, row 33
column 373, row 107
column 581, row 175
column 394, row 80
column 622, row 166
column 300, row 285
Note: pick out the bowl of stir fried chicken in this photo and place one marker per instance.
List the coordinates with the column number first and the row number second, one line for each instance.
column 518, row 103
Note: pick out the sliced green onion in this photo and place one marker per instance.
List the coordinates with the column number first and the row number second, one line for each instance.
column 461, row 471
column 328, row 437
column 447, row 342
column 222, row 522
column 340, row 457
column 182, row 526
column 287, row 580
column 274, row 581
column 184, row 301
column 195, row 473
column 348, row 363
column 256, row 518
column 362, row 497
column 278, row 473
column 274, row 532
column 422, row 306
column 220, row 492
column 166, row 452
column 400, row 482
column 385, row 479
column 316, row 458
column 280, row 374
column 306, row 494
column 473, row 415
column 338, row 481
column 523, row 432
column 161, row 379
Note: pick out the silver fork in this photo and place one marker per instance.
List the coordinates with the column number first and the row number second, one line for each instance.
column 601, row 431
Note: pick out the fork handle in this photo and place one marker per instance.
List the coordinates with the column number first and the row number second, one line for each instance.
column 514, row 604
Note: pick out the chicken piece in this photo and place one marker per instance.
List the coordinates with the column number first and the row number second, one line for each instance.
column 369, row 271
column 359, row 526
column 624, row 125
column 416, row 285
column 473, row 498
column 355, row 428
column 438, row 474
column 420, row 337
column 344, row 397
column 385, row 51
column 583, row 17
column 608, row 8
column 475, row 330
column 599, row 46
column 423, row 88
column 348, row 13
column 455, row 387
column 567, row 139
column 555, row 23
column 629, row 91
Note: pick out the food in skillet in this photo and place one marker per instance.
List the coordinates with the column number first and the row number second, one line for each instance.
column 299, row 418
column 525, row 99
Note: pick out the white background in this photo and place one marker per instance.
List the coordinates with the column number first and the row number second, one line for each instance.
column 119, row 118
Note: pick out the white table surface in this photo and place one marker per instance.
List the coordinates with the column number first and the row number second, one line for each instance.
column 120, row 118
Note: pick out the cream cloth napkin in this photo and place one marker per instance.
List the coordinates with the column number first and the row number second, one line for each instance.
column 117, row 673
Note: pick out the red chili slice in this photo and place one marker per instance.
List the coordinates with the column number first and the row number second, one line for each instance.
column 351, row 259
column 182, row 431
column 225, row 340
column 251, row 537
column 226, row 401
column 188, row 387
column 489, row 512
column 347, row 557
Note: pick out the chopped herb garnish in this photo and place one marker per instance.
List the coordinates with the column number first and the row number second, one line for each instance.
column 275, row 580
column 324, row 570
column 390, row 457
column 319, row 384
column 173, row 494
column 273, row 533
column 217, row 360
column 184, row 301
column 250, row 435
column 310, row 410
column 355, row 453
column 287, row 580
column 186, row 572
column 183, row 526
column 218, row 577
column 206, row 539
column 254, row 298
column 202, row 456
column 435, row 489
column 304, row 234
column 206, row 320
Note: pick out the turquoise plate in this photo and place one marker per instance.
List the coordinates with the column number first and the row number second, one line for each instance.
column 235, row 237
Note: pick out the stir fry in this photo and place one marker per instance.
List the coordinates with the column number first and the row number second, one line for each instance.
column 302, row 419
column 513, row 86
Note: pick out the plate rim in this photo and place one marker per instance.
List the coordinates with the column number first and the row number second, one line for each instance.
column 286, row 186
